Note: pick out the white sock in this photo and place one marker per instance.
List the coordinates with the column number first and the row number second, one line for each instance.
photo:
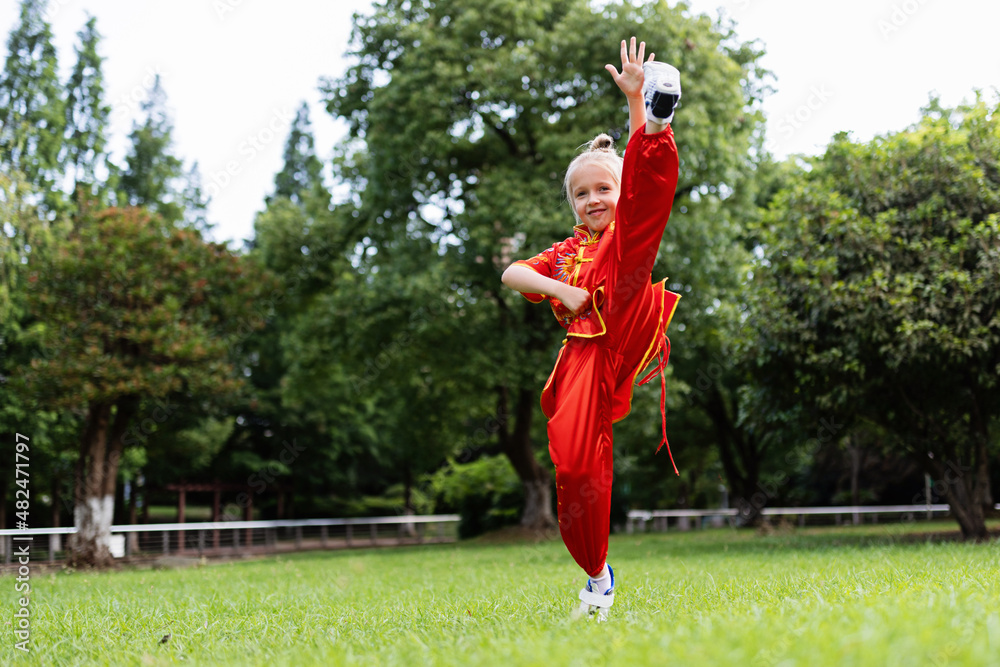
column 602, row 582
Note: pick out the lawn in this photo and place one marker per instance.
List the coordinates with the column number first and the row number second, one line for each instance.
column 871, row 595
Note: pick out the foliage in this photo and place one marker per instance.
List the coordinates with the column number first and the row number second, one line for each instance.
column 87, row 114
column 32, row 115
column 301, row 177
column 136, row 317
column 130, row 306
column 486, row 492
column 153, row 177
column 22, row 238
column 876, row 296
column 197, row 447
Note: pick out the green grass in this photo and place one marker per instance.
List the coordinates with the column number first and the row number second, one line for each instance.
column 871, row 595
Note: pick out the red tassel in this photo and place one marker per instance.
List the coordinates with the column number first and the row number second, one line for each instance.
column 661, row 369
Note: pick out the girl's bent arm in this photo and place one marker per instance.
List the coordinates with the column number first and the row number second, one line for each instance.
column 523, row 279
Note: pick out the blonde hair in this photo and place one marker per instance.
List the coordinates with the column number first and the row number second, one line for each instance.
column 601, row 151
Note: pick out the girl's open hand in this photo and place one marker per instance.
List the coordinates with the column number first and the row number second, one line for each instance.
column 631, row 77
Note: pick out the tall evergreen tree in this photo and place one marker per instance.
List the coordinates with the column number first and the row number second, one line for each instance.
column 302, row 176
column 86, row 112
column 153, row 175
column 195, row 200
column 31, row 105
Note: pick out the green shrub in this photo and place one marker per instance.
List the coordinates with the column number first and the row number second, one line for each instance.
column 486, row 493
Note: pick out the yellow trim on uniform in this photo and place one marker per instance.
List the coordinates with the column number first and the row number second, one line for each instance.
column 672, row 310
column 591, row 237
column 653, row 344
column 578, row 262
column 661, row 329
column 604, row 327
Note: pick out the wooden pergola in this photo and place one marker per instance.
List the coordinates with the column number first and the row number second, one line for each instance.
column 216, row 488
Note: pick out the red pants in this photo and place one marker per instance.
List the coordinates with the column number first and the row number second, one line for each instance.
column 591, row 386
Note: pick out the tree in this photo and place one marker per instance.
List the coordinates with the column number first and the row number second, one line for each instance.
column 31, row 105
column 383, row 380
column 877, row 293
column 724, row 382
column 303, row 394
column 153, row 175
column 468, row 113
column 300, row 398
column 86, row 113
column 301, row 177
column 135, row 313
column 23, row 232
column 195, row 201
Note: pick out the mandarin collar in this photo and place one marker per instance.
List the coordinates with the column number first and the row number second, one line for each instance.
column 585, row 236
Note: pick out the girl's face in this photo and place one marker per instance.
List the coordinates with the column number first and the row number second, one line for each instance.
column 594, row 195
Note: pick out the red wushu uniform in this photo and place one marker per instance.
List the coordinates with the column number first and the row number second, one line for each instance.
column 607, row 345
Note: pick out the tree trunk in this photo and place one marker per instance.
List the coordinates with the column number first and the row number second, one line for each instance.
column 538, row 503
column 55, row 541
column 96, row 473
column 91, row 545
column 959, row 488
column 408, row 510
column 741, row 459
column 516, row 445
column 984, row 494
column 855, row 453
column 854, row 450
column 133, row 538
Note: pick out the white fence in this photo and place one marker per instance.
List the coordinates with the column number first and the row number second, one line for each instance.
column 639, row 520
column 229, row 538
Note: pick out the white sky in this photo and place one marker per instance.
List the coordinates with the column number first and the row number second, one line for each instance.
column 235, row 71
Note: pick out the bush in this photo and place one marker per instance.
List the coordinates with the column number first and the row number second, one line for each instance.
column 486, row 493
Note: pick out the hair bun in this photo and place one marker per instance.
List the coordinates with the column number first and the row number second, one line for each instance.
column 602, row 142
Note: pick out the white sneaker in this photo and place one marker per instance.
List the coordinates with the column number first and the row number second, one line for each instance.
column 662, row 90
column 594, row 603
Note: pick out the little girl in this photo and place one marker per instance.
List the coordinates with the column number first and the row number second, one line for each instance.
column 598, row 284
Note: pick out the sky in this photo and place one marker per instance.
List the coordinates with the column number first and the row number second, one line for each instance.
column 235, row 71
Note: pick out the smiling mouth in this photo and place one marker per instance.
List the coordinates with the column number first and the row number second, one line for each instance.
column 597, row 211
